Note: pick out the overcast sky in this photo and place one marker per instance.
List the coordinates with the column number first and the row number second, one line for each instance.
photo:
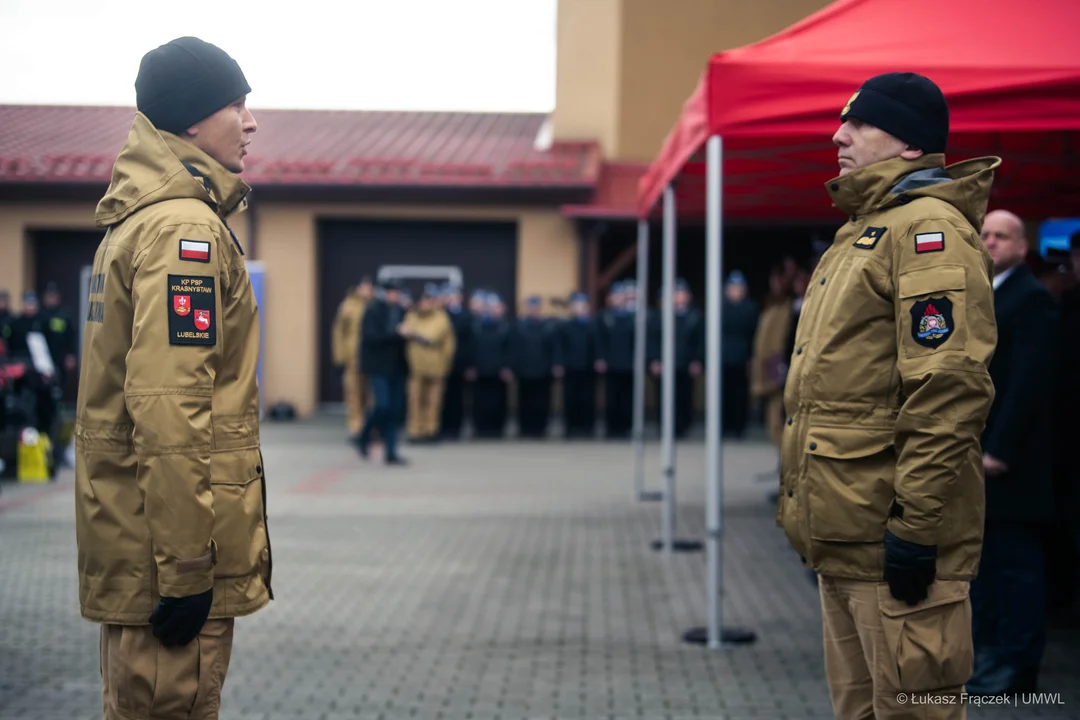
column 482, row 55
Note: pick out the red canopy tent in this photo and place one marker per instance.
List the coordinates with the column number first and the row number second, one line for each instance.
column 1010, row 71
column 764, row 115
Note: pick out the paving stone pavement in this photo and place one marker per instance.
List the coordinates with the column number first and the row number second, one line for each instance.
column 486, row 581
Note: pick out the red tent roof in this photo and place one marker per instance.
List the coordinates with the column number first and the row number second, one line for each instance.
column 1010, row 71
column 77, row 144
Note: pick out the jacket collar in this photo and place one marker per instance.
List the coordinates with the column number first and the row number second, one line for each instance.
column 871, row 188
column 225, row 190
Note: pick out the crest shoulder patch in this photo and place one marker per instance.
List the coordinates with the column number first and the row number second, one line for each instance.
column 932, row 322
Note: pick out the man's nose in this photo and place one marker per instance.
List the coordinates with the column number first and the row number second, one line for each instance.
column 249, row 122
column 841, row 138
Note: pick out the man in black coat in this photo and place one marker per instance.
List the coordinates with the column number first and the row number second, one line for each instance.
column 382, row 359
column 453, row 408
column 532, row 348
column 575, row 360
column 1008, row 597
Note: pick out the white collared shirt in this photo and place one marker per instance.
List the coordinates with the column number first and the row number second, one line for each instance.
column 1002, row 277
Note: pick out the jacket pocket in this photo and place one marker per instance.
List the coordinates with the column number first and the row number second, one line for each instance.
column 849, row 482
column 932, row 312
column 929, row 646
column 235, row 477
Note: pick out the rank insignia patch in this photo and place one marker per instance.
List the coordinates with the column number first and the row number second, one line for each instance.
column 191, row 316
column 929, row 242
column 932, row 322
column 870, row 238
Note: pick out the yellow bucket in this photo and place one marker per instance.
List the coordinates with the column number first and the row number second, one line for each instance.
column 35, row 451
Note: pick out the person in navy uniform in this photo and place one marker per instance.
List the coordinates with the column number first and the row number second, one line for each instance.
column 453, row 409
column 532, row 348
column 615, row 360
column 689, row 354
column 575, row 361
column 492, row 357
column 740, row 320
column 1008, row 597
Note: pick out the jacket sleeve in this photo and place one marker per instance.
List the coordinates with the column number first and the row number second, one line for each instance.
column 697, row 340
column 168, row 390
column 946, row 334
column 602, row 343
column 558, row 341
column 449, row 343
column 1031, row 362
column 338, row 350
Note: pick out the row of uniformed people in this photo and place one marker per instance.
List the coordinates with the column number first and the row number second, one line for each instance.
column 479, row 349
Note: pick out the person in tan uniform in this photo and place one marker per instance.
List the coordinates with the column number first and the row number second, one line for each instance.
column 887, row 395
column 170, row 491
column 430, row 352
column 769, row 360
column 345, row 346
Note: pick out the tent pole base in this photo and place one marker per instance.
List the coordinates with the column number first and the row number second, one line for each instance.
column 729, row 636
column 679, row 546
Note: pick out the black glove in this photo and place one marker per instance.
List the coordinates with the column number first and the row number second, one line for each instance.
column 177, row 621
column 909, row 568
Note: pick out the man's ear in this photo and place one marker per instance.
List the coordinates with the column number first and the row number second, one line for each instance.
column 911, row 153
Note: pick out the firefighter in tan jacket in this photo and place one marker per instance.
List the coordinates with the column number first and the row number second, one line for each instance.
column 345, row 348
column 887, row 394
column 430, row 353
column 170, row 495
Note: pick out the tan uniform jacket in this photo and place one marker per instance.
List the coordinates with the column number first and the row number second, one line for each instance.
column 888, row 390
column 346, row 335
column 433, row 358
column 770, row 345
column 170, row 493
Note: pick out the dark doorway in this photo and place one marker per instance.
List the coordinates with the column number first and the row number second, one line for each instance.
column 59, row 257
column 484, row 252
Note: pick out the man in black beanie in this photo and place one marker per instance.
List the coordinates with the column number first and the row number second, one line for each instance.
column 170, row 491
column 888, row 391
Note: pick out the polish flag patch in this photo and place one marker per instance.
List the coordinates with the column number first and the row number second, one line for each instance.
column 929, row 242
column 195, row 250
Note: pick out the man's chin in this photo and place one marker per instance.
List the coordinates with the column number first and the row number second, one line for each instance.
column 844, row 170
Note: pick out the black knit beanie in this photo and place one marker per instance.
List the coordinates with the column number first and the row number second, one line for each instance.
column 908, row 106
column 186, row 80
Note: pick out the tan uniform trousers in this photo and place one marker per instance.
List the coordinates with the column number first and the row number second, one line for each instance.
column 425, row 406
column 141, row 679
column 887, row 660
column 355, row 389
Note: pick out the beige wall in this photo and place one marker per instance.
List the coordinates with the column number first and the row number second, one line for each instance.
column 633, row 63
column 587, row 72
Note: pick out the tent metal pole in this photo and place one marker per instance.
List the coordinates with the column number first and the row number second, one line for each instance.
column 714, row 457
column 640, row 339
column 715, row 634
column 667, row 393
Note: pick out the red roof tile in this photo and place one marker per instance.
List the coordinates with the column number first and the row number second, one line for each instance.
column 616, row 194
column 314, row 147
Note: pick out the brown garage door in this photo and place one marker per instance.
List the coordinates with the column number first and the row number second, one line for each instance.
column 485, row 253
